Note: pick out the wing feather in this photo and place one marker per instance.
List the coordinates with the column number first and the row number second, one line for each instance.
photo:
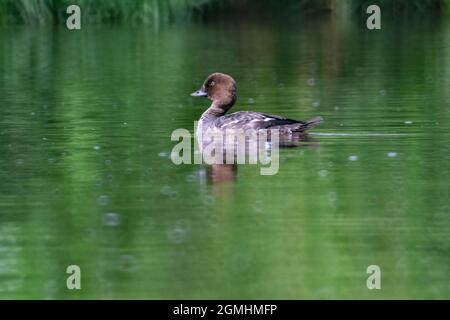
column 253, row 120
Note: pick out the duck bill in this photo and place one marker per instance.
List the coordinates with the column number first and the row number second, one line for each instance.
column 199, row 93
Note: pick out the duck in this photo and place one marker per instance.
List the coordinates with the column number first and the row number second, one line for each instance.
column 220, row 89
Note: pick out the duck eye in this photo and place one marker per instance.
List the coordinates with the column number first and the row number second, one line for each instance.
column 212, row 83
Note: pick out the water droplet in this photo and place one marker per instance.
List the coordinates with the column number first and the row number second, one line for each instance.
column 97, row 147
column 33, row 114
column 98, row 182
column 392, row 154
column 128, row 263
column 208, row 200
column 323, row 173
column 103, row 200
column 192, row 177
column 178, row 233
column 332, row 196
column 251, row 101
column 111, row 219
column 168, row 191
column 408, row 122
column 353, row 158
column 258, row 206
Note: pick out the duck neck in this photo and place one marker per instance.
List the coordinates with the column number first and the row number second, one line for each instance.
column 214, row 111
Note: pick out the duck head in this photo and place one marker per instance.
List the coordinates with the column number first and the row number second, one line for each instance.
column 220, row 88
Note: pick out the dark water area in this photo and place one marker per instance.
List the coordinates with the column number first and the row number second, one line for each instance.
column 87, row 179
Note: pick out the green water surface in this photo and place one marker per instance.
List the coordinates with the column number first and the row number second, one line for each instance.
column 86, row 176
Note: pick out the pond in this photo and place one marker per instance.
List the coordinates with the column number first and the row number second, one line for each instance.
column 87, row 179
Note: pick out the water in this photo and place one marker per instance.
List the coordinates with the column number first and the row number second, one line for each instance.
column 86, row 176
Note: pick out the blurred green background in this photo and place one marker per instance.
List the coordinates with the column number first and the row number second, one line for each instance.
column 85, row 169
column 159, row 12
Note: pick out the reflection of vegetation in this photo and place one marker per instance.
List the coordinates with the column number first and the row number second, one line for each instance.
column 99, row 11
column 163, row 11
column 309, row 231
column 400, row 6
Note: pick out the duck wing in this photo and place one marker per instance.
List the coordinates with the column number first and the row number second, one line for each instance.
column 256, row 120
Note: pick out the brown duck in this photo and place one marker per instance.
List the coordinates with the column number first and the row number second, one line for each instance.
column 220, row 88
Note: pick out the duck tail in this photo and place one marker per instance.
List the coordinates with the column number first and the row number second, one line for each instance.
column 313, row 122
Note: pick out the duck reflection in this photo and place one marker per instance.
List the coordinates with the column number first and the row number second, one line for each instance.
column 222, row 173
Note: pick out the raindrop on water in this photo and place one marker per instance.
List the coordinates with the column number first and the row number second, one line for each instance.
column 103, row 200
column 353, row 158
column 111, row 219
column 392, row 154
column 323, row 173
column 332, row 196
column 258, row 206
column 98, row 182
column 208, row 200
column 128, row 263
column 192, row 177
column 168, row 191
column 178, row 233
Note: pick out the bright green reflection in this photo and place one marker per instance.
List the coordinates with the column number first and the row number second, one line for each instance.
column 86, row 179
